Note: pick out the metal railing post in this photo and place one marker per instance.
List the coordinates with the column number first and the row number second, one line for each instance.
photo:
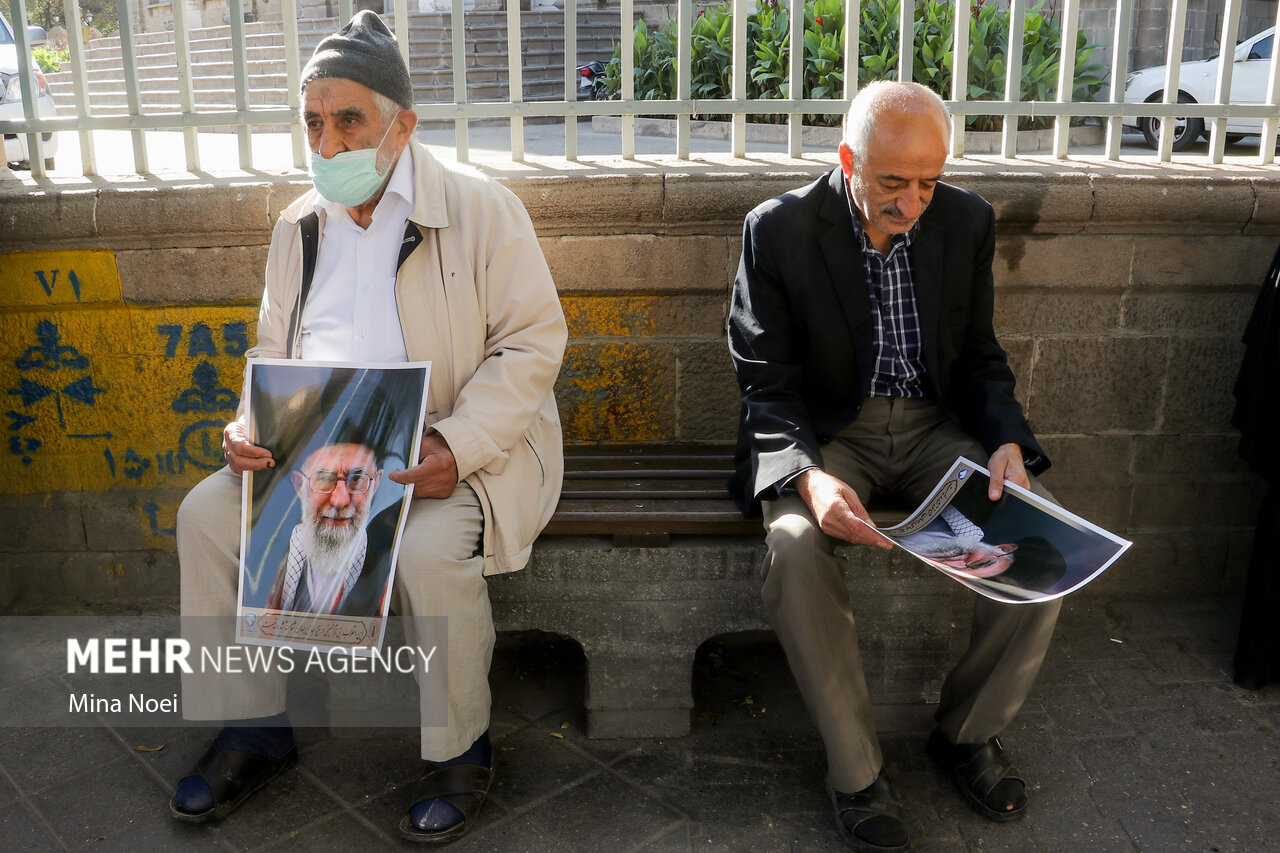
column 1267, row 146
column 186, row 94
column 959, row 77
column 293, row 76
column 1119, row 71
column 75, row 48
column 240, row 79
column 570, row 78
column 515, row 77
column 1226, row 65
column 738, row 132
column 907, row 40
column 1066, row 77
column 684, row 74
column 1173, row 68
column 852, row 35
column 627, row 52
column 795, row 78
column 1013, row 76
column 27, row 82
column 132, row 90
column 457, row 30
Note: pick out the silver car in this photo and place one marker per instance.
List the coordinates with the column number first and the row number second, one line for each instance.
column 1197, row 84
column 15, row 145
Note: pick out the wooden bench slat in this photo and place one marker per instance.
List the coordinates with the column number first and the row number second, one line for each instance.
column 647, row 463
column 648, row 492
column 706, row 475
column 593, row 524
column 651, row 506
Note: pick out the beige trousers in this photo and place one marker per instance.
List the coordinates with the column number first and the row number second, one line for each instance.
column 902, row 446
column 439, row 581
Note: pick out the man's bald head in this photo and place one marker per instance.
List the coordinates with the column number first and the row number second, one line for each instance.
column 890, row 97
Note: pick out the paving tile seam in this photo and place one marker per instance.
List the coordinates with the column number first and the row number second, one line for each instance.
column 530, row 826
column 25, row 802
column 388, row 787
column 649, row 792
column 63, row 780
column 526, row 813
column 342, row 805
column 670, row 829
column 523, row 809
column 167, row 786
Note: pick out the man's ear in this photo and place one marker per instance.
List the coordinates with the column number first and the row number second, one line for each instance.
column 299, row 482
column 408, row 122
column 374, row 480
column 846, row 160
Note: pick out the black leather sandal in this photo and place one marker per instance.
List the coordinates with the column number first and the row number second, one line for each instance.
column 869, row 821
column 232, row 777
column 977, row 772
column 463, row 786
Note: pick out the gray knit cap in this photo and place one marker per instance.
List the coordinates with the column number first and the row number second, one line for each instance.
column 364, row 51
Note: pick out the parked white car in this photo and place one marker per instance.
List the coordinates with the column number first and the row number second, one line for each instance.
column 15, row 145
column 1197, row 84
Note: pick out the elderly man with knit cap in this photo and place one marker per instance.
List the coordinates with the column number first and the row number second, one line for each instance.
column 392, row 257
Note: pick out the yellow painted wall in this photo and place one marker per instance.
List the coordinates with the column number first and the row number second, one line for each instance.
column 101, row 394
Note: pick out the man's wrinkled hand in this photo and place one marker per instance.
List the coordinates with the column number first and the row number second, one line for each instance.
column 1006, row 464
column 436, row 474
column 837, row 509
column 243, row 455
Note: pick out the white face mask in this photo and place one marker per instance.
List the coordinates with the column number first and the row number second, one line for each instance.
column 349, row 178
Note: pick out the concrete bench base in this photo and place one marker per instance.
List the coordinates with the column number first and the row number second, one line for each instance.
column 640, row 615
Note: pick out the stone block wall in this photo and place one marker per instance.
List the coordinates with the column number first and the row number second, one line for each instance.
column 1121, row 295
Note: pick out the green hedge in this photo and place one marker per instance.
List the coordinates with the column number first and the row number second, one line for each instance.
column 768, row 50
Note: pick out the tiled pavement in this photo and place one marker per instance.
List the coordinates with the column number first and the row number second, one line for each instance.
column 1134, row 739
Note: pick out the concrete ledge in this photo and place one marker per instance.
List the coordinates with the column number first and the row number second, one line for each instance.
column 640, row 615
column 655, row 196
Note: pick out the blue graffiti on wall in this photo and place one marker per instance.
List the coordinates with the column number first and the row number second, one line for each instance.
column 201, row 442
column 48, row 282
column 152, row 509
column 235, row 339
column 45, row 361
column 205, row 394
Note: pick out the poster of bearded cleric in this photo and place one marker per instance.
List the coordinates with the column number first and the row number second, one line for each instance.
column 320, row 529
column 1020, row 548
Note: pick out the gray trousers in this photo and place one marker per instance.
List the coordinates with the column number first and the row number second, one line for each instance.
column 903, row 446
column 439, row 581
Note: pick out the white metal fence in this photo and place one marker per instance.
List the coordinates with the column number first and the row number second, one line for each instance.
column 189, row 120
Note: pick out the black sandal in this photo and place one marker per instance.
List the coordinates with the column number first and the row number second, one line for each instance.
column 232, row 777
column 876, row 812
column 977, row 771
column 463, row 786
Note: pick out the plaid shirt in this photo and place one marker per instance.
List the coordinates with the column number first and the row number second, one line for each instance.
column 896, row 321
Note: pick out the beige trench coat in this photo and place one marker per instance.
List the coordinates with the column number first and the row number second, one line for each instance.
column 475, row 299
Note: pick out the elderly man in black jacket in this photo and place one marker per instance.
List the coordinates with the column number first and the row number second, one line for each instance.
column 861, row 333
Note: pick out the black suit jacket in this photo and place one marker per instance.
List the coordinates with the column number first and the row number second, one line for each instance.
column 800, row 330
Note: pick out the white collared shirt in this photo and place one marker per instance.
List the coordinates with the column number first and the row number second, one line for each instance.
column 351, row 313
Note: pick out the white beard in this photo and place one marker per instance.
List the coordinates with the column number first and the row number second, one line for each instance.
column 948, row 547
column 330, row 551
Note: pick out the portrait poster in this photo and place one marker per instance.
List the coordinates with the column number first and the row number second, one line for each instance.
column 1017, row 549
column 320, row 530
